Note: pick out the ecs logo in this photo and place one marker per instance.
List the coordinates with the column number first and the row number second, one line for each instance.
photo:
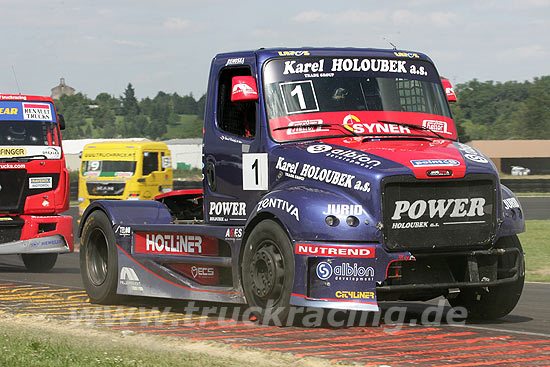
column 198, row 271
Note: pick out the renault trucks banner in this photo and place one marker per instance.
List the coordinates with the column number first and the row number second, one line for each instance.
column 26, row 111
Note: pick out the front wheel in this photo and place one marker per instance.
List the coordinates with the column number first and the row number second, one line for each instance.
column 268, row 272
column 98, row 259
column 497, row 301
column 39, row 263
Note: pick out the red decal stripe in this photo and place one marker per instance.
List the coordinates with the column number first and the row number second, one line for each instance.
column 33, row 105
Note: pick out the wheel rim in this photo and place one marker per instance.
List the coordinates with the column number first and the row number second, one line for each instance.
column 267, row 273
column 97, row 256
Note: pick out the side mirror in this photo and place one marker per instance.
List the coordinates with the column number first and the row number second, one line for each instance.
column 61, row 121
column 244, row 89
column 449, row 91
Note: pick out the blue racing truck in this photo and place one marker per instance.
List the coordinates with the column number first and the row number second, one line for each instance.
column 333, row 178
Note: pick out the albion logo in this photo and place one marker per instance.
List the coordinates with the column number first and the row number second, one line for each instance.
column 458, row 208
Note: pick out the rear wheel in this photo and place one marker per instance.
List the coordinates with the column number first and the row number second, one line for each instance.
column 39, row 263
column 98, row 259
column 268, row 271
column 498, row 301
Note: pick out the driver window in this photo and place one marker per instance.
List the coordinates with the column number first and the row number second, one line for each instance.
column 237, row 118
column 150, row 162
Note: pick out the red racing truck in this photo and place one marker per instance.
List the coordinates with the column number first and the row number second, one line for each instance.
column 34, row 182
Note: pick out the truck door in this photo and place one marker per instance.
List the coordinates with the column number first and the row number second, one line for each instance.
column 151, row 172
column 232, row 142
column 166, row 177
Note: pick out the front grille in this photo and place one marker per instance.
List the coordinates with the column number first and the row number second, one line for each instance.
column 105, row 188
column 12, row 188
column 438, row 214
column 10, row 229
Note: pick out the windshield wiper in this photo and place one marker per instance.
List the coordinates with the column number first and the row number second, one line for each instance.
column 22, row 159
column 318, row 125
column 418, row 127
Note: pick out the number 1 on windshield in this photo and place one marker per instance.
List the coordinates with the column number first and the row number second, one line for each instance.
column 299, row 97
column 301, row 100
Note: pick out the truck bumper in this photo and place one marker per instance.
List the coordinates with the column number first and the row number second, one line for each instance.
column 41, row 245
column 33, row 234
column 431, row 274
column 329, row 276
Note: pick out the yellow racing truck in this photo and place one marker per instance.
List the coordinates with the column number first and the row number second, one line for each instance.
column 124, row 170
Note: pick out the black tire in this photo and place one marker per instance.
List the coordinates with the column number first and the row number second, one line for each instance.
column 500, row 300
column 98, row 259
column 39, row 263
column 268, row 272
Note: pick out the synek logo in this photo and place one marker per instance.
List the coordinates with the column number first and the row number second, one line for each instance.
column 324, row 270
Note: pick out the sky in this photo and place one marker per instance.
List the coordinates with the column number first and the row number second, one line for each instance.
column 167, row 45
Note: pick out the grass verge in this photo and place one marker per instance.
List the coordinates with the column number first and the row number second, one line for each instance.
column 37, row 342
column 536, row 245
column 193, row 174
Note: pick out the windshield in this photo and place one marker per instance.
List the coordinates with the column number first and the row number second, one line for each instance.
column 28, row 130
column 108, row 168
column 26, row 140
column 308, row 98
column 19, row 133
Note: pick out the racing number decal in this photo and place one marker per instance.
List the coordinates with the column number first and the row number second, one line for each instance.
column 299, row 97
column 298, row 91
column 255, row 176
column 94, row 166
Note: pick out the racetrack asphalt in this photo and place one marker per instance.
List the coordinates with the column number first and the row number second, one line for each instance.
column 521, row 338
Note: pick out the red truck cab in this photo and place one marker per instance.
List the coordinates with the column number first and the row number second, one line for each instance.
column 34, row 182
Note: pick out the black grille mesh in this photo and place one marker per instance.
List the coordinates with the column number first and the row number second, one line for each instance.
column 12, row 187
column 438, row 214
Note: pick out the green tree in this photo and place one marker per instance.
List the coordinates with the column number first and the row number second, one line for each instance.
column 76, row 111
column 111, row 131
column 535, row 112
column 146, row 106
column 133, row 126
column 201, row 106
column 156, row 129
column 103, row 117
column 488, row 110
column 129, row 101
column 107, row 101
column 185, row 105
